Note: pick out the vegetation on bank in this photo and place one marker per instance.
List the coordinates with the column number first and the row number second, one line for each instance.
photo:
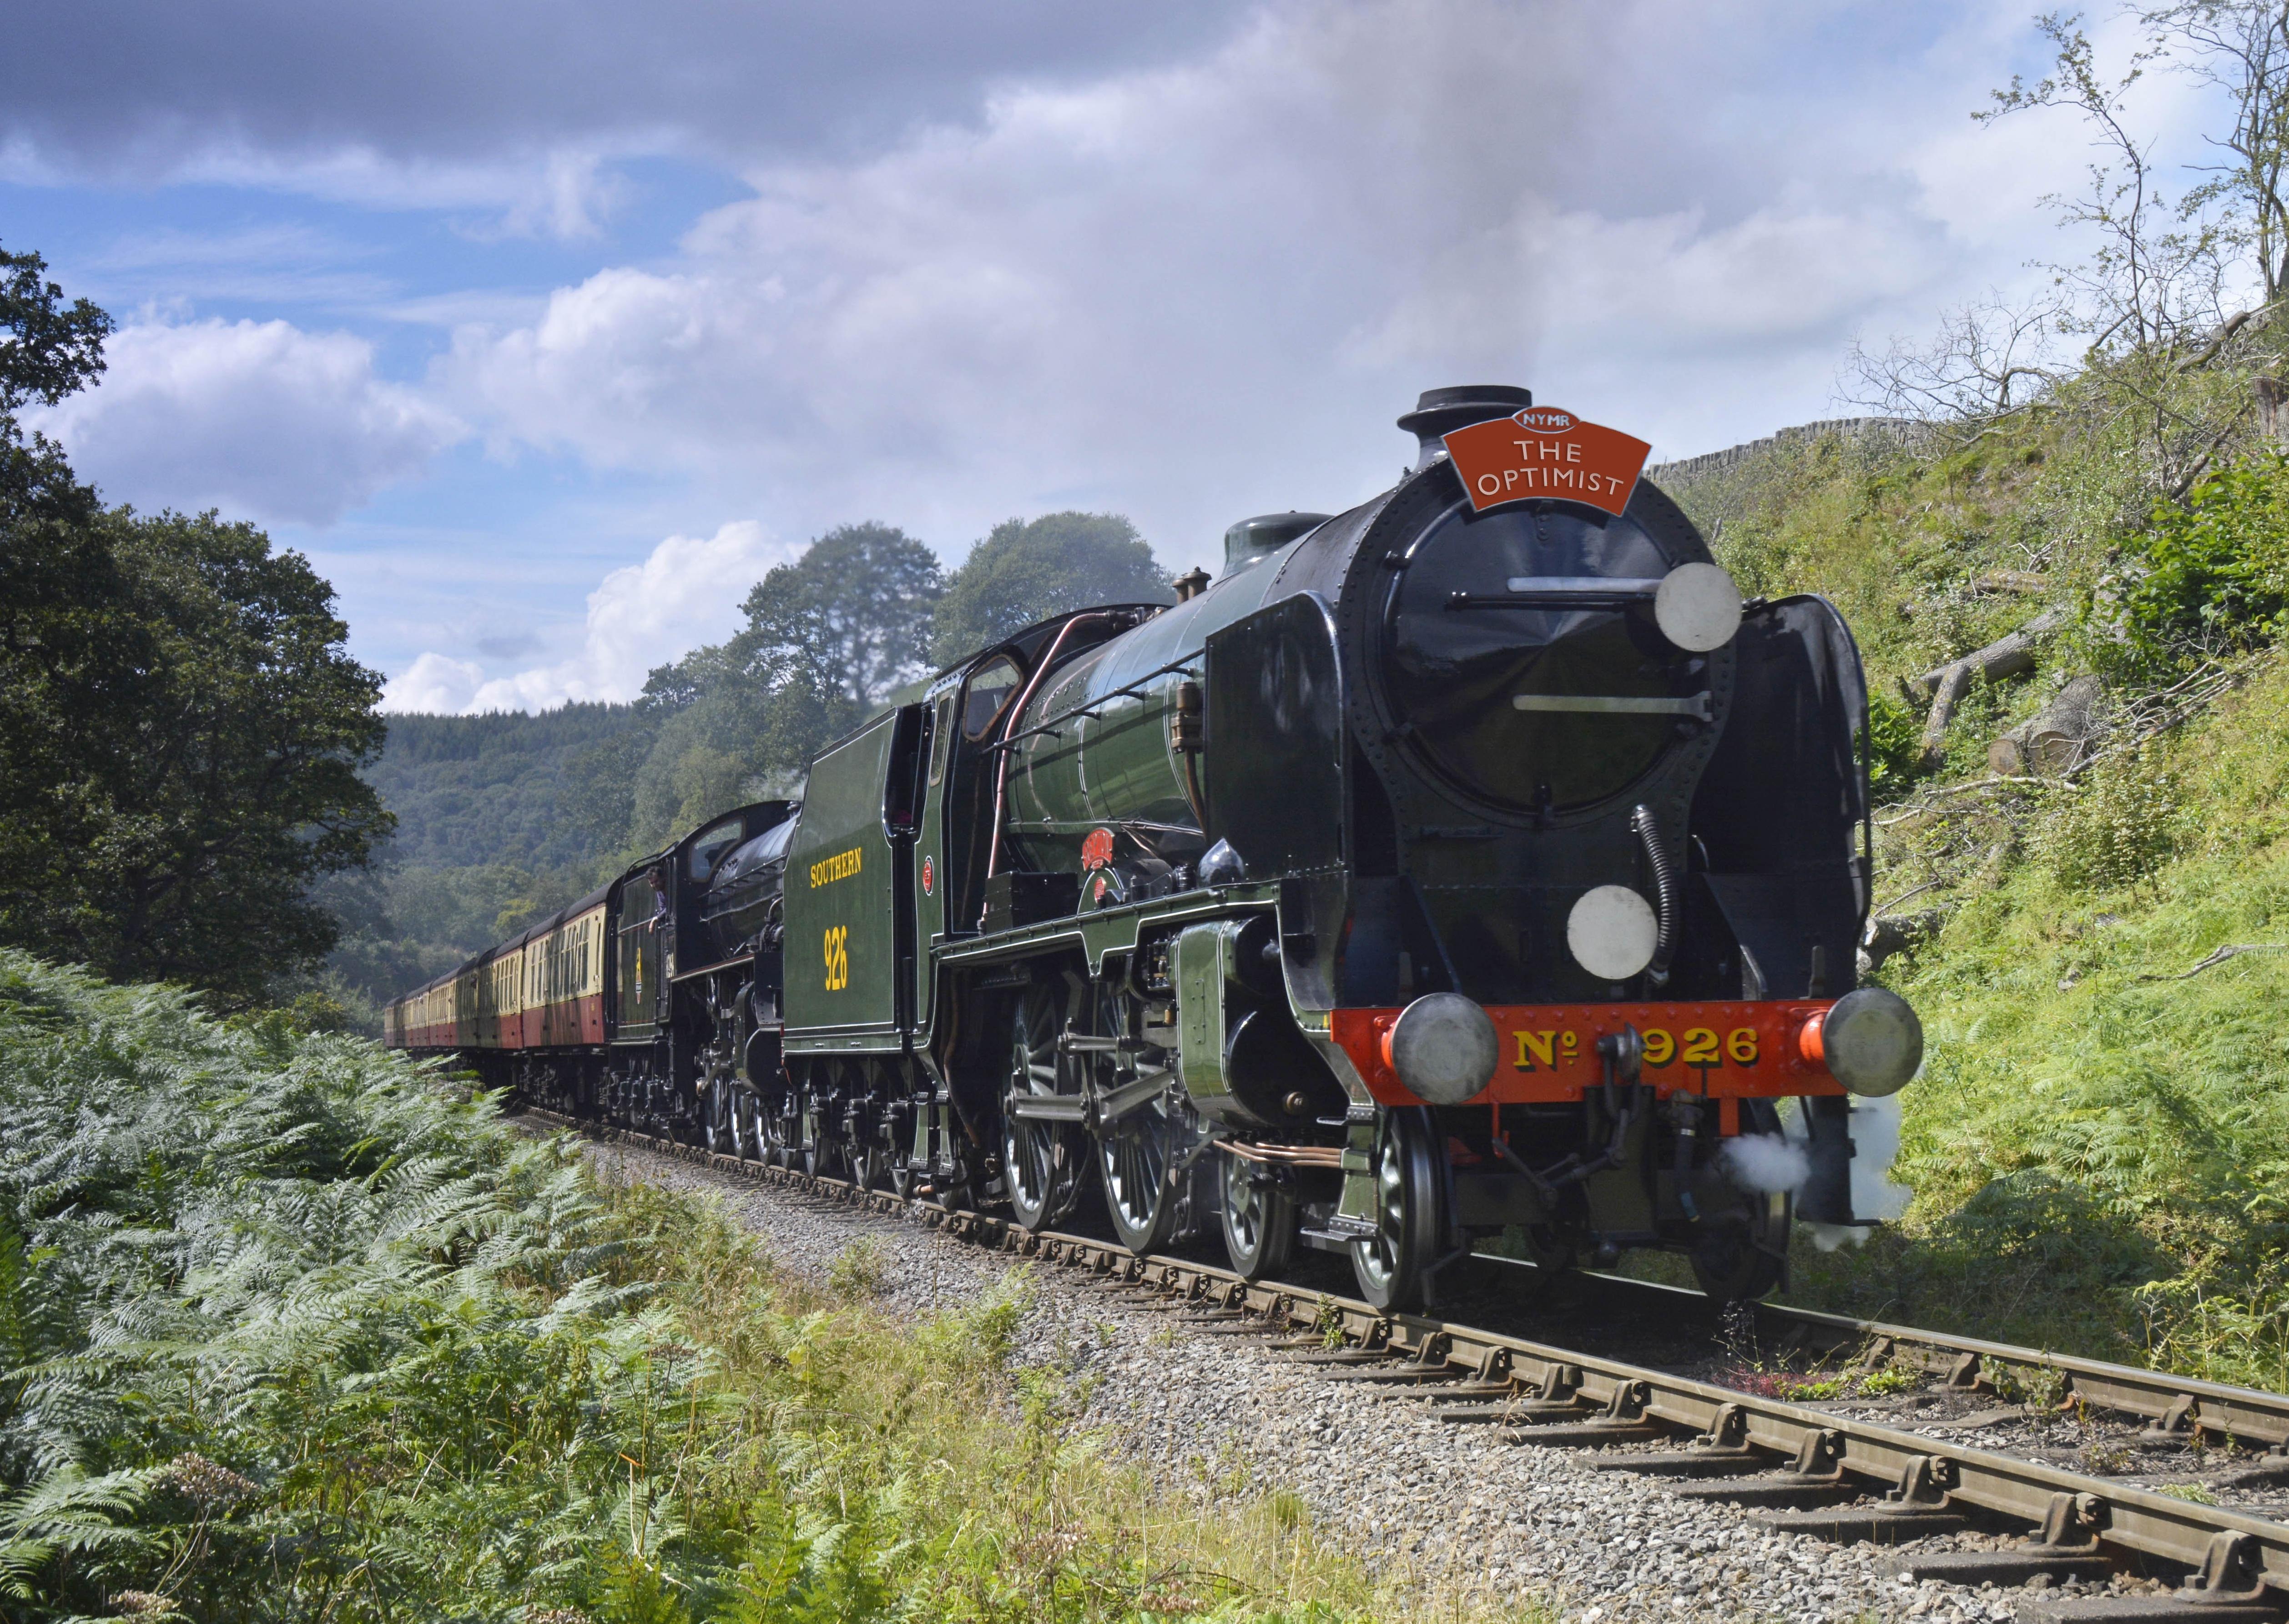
column 290, row 1332
column 2099, row 1147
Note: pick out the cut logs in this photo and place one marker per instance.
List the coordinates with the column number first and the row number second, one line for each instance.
column 2005, row 656
column 2055, row 740
column 2022, row 581
column 1888, row 933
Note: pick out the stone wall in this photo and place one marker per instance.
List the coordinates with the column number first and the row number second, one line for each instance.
column 1893, row 431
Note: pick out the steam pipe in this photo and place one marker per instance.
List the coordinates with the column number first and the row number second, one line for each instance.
column 1665, row 885
column 1016, row 713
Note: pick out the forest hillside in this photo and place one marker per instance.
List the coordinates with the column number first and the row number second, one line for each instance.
column 506, row 817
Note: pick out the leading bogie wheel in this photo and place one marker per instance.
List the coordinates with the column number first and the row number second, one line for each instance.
column 1740, row 1248
column 1259, row 1217
column 1393, row 1265
column 1743, row 1252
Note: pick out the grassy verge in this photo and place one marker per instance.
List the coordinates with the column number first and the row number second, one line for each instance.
column 2098, row 1148
column 290, row 1333
column 2100, row 1143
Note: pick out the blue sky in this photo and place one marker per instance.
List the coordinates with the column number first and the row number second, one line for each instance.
column 544, row 330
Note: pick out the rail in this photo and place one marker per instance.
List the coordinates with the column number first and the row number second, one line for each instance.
column 2237, row 1565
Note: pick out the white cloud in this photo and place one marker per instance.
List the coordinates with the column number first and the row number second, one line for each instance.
column 686, row 593
column 435, row 683
column 1153, row 272
column 260, row 419
column 1197, row 290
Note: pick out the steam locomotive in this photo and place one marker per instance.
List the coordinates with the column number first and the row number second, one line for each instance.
column 1474, row 863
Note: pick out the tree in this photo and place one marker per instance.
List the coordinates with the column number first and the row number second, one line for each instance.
column 2241, row 47
column 828, row 637
column 852, row 615
column 726, row 747
column 180, row 729
column 2156, row 273
column 1028, row 570
column 56, row 575
column 193, row 768
column 1991, row 358
column 51, row 349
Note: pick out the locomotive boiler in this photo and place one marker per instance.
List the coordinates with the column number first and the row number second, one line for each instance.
column 1471, row 865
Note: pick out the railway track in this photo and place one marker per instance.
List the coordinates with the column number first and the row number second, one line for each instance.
column 1827, row 1469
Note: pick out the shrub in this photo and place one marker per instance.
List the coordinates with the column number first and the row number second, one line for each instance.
column 2210, row 577
column 1894, row 746
column 2117, row 827
column 289, row 1332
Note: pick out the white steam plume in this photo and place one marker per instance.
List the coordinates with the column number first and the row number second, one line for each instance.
column 1764, row 1162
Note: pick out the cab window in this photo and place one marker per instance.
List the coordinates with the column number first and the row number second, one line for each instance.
column 941, row 737
column 990, row 689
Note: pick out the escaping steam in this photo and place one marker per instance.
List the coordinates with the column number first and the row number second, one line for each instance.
column 1766, row 1162
column 1875, row 1128
column 1875, row 1143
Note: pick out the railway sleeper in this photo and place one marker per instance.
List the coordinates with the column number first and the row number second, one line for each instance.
column 1879, row 1523
column 1735, row 1443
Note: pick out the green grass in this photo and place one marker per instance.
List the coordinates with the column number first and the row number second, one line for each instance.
column 2099, row 1158
column 289, row 1333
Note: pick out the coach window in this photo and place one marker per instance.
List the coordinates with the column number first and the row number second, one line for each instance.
column 990, row 689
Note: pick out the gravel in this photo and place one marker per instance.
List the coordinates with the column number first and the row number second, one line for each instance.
column 1201, row 1410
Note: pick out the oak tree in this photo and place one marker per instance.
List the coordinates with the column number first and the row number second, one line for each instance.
column 181, row 725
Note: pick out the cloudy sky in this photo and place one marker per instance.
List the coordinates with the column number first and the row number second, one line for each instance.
column 544, row 329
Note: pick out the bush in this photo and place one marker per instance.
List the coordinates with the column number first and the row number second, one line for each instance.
column 2210, row 577
column 1894, row 746
column 2117, row 827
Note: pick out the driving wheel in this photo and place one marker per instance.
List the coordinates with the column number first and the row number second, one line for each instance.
column 1045, row 1159
column 716, row 1119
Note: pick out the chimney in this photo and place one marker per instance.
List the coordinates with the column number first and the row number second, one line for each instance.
column 1442, row 411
